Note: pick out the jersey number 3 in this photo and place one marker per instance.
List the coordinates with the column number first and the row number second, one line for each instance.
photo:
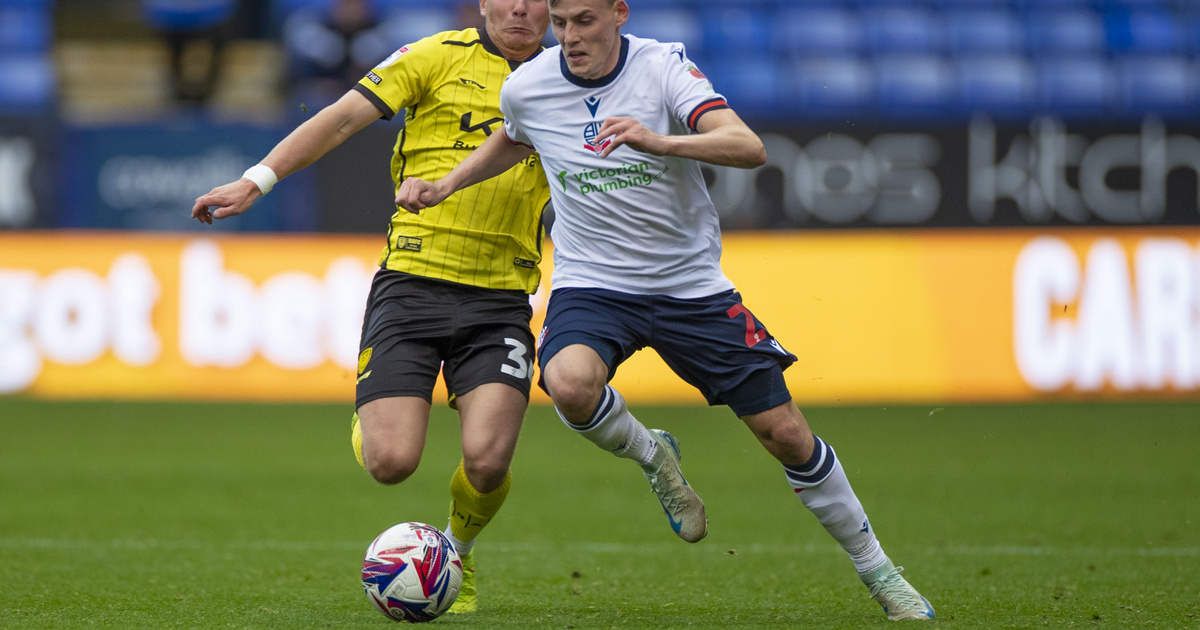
column 516, row 355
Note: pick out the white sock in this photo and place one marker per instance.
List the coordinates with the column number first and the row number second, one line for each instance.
column 614, row 429
column 822, row 486
column 463, row 548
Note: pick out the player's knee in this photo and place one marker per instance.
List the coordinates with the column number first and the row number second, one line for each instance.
column 787, row 436
column 486, row 474
column 573, row 390
column 789, row 441
column 390, row 468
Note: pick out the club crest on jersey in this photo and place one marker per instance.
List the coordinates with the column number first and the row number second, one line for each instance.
column 590, row 131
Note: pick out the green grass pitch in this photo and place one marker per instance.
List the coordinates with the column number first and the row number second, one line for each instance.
column 165, row 515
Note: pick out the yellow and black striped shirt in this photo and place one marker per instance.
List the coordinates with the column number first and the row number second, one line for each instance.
column 488, row 235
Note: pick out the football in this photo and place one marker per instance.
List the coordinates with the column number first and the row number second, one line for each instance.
column 412, row 573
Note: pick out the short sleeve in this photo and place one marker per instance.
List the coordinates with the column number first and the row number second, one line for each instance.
column 512, row 129
column 402, row 79
column 688, row 92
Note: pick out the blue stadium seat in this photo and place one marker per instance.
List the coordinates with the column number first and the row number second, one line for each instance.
column 1158, row 85
column 984, row 32
column 1001, row 85
column 1139, row 4
column 1055, row 5
column 667, row 25
column 751, row 85
column 281, row 9
column 846, row 5
column 1076, row 86
column 736, row 31
column 709, row 6
column 1143, row 32
column 394, row 7
column 24, row 29
column 1059, row 33
column 903, row 31
column 284, row 8
column 27, row 83
column 657, row 4
column 915, row 86
column 1189, row 23
column 829, row 86
column 906, row 4
column 817, row 31
column 952, row 5
column 405, row 26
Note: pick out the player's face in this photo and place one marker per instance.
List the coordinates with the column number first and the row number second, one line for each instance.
column 516, row 26
column 590, row 34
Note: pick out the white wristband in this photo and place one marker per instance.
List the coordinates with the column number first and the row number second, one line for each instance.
column 262, row 176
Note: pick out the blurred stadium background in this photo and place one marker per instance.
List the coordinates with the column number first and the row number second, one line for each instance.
column 971, row 200
column 966, row 202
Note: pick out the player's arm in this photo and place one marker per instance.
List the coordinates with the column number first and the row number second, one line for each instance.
column 722, row 139
column 496, row 155
column 307, row 143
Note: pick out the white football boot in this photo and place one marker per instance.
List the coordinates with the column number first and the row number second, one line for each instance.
column 685, row 510
column 898, row 598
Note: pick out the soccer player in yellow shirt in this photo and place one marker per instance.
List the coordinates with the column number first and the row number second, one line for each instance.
column 452, row 290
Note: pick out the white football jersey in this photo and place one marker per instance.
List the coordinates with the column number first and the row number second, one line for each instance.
column 631, row 222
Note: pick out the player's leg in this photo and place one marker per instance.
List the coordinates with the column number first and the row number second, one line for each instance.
column 815, row 473
column 717, row 345
column 585, row 339
column 392, row 435
column 489, row 371
column 575, row 377
column 397, row 369
column 491, row 420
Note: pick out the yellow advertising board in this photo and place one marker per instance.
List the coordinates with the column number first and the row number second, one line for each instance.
column 895, row 316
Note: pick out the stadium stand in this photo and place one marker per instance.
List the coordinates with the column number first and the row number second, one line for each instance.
column 27, row 77
column 882, row 59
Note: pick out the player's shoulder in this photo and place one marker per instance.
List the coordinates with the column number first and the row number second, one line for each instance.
column 436, row 45
column 647, row 50
column 466, row 38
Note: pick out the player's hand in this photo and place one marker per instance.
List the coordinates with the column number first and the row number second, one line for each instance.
column 417, row 194
column 627, row 131
column 225, row 201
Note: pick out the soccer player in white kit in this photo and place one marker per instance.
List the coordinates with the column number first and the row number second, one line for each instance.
column 620, row 123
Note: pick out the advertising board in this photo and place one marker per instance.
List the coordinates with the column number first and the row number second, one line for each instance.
column 874, row 316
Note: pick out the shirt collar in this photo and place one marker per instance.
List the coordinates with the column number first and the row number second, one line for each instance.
column 602, row 81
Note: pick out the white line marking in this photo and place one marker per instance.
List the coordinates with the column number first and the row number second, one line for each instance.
column 588, row 547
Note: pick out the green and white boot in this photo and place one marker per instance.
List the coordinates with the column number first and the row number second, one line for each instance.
column 685, row 510
column 898, row 598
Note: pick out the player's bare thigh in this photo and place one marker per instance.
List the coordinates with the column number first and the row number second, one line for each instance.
column 490, row 416
column 393, row 431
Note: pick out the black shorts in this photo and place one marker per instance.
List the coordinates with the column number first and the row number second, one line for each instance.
column 415, row 327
